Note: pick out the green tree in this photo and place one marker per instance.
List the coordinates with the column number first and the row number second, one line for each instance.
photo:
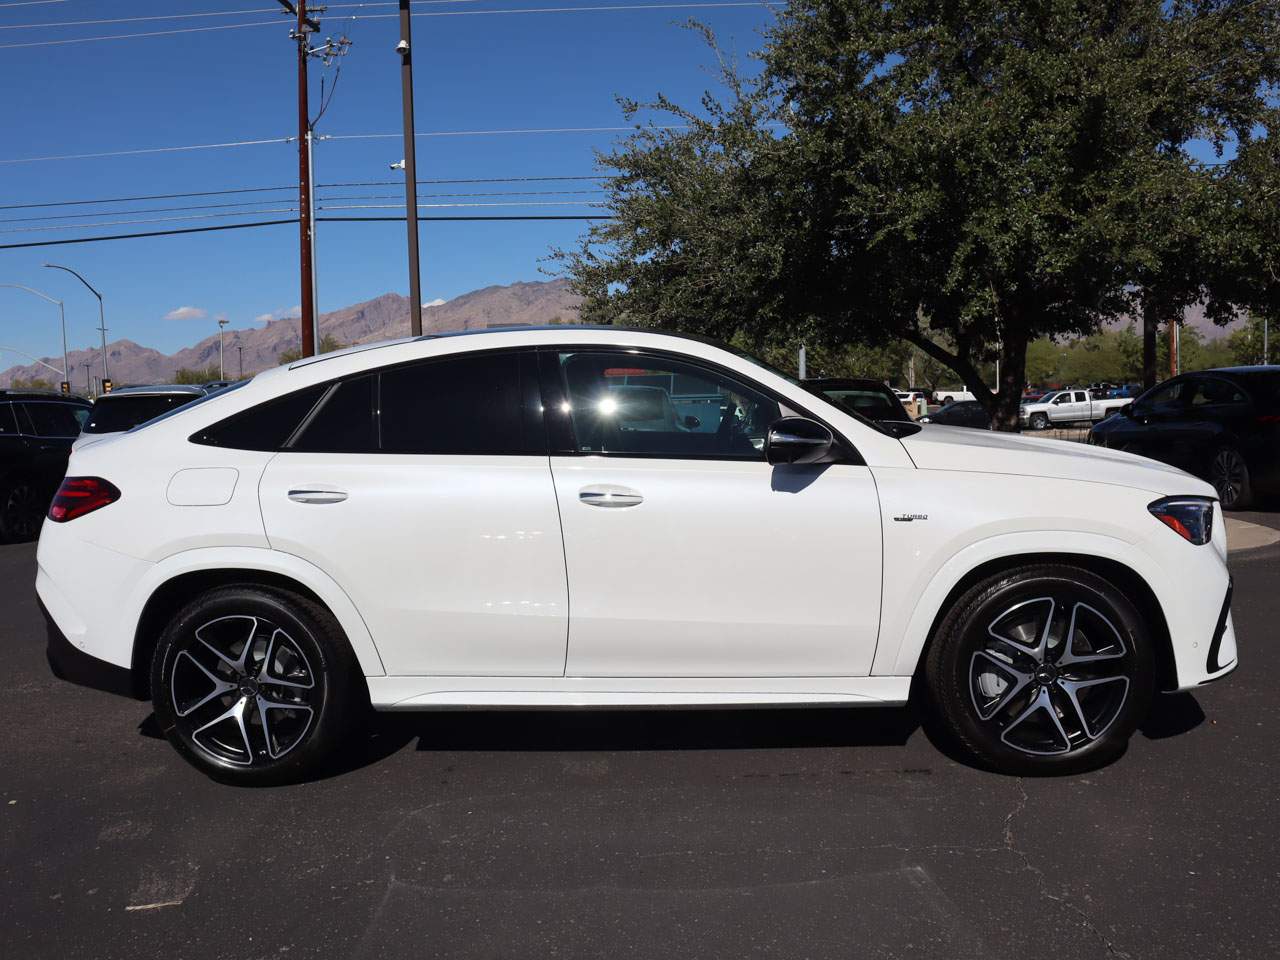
column 328, row 344
column 34, row 383
column 187, row 375
column 967, row 177
column 1246, row 344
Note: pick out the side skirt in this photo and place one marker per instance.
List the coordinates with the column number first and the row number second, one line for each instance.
column 449, row 693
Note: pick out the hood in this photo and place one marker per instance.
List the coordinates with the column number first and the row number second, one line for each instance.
column 982, row 451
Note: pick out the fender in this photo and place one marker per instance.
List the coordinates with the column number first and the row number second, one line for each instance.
column 263, row 559
column 901, row 644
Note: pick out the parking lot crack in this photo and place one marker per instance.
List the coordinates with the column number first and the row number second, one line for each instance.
column 1042, row 886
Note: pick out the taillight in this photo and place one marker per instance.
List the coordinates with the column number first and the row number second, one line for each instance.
column 1268, row 418
column 80, row 495
column 1191, row 518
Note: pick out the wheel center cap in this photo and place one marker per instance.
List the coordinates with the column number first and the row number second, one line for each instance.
column 1046, row 673
column 248, row 687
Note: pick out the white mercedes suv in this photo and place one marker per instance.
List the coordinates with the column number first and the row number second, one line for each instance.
column 500, row 519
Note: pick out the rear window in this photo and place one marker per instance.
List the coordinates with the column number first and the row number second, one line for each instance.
column 115, row 413
column 264, row 427
column 53, row 419
column 1264, row 388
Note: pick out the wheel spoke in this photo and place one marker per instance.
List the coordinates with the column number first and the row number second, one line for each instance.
column 1041, row 702
column 264, row 674
column 265, row 708
column 238, row 664
column 1072, row 689
column 1068, row 656
column 1020, row 680
column 234, row 712
column 220, row 686
column 1040, row 635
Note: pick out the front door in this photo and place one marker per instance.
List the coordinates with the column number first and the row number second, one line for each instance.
column 690, row 556
column 424, row 490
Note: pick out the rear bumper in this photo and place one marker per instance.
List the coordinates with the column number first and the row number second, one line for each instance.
column 75, row 666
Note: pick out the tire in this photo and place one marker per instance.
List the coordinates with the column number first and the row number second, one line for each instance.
column 255, row 686
column 1023, row 702
column 1229, row 475
column 22, row 511
column 1039, row 421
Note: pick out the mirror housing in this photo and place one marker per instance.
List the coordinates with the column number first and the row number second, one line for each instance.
column 691, row 422
column 798, row 440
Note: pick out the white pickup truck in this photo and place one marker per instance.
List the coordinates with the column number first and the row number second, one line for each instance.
column 1068, row 406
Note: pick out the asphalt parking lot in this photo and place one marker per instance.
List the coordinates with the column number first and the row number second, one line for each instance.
column 807, row 833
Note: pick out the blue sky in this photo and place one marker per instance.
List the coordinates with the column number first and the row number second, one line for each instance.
column 473, row 72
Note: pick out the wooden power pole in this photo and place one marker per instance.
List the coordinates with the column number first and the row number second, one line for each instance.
column 405, row 49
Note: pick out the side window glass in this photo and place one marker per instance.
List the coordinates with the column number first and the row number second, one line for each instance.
column 52, row 419
column 25, row 426
column 483, row 403
column 1214, row 391
column 344, row 422
column 8, row 425
column 264, row 427
column 641, row 405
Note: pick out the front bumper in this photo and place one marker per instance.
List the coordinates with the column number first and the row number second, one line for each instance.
column 1222, row 657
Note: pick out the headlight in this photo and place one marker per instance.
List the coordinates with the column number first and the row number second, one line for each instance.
column 1191, row 518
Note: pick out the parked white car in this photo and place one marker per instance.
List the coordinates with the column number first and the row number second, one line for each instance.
column 1068, row 406
column 953, row 396
column 125, row 408
column 477, row 521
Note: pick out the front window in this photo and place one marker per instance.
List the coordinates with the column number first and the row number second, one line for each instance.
column 51, row 419
column 633, row 404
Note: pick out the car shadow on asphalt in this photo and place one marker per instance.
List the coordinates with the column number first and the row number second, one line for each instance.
column 568, row 731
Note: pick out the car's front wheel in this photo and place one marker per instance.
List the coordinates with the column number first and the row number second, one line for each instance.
column 254, row 686
column 1039, row 421
column 1043, row 669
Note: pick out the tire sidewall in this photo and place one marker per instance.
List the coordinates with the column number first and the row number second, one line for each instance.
column 307, row 631
column 949, row 669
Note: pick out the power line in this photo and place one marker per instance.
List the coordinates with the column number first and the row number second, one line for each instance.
column 242, row 190
column 146, row 150
column 698, row 4
column 272, row 223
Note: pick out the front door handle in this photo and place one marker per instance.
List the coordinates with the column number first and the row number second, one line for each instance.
column 317, row 495
column 609, row 495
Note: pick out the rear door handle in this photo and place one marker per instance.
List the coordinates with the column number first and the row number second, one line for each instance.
column 317, row 495
column 609, row 495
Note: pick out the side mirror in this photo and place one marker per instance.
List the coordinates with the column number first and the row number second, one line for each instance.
column 798, row 440
column 1127, row 410
column 692, row 422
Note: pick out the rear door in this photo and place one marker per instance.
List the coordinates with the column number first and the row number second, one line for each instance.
column 425, row 491
column 690, row 556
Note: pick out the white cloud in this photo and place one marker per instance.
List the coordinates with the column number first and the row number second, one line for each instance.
column 288, row 313
column 187, row 313
column 435, row 303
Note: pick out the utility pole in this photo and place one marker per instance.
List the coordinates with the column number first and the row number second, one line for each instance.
column 222, row 367
column 102, row 320
column 241, row 349
column 410, row 163
column 88, row 387
column 803, row 363
column 1173, row 348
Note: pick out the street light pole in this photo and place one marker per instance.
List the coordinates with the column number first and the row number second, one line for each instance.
column 222, row 369
column 102, row 320
column 241, row 349
column 66, row 369
column 88, row 386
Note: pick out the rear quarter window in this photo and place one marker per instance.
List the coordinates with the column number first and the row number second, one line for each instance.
column 268, row 426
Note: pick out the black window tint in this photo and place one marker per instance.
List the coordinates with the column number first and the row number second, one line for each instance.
column 344, row 423
column 8, row 425
column 53, row 419
column 117, row 412
column 617, row 407
column 479, row 404
column 264, row 427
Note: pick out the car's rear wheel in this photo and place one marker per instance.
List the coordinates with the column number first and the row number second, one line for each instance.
column 1039, row 421
column 1043, row 669
column 21, row 511
column 1229, row 475
column 254, row 686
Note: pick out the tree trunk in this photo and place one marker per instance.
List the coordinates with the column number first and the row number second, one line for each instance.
column 1013, row 376
column 1150, row 325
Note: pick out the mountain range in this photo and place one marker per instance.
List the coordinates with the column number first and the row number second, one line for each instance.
column 382, row 318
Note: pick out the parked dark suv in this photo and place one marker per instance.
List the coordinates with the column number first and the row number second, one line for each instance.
column 1222, row 425
column 36, row 432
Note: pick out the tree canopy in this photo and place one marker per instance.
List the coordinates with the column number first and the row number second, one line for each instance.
column 967, row 177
